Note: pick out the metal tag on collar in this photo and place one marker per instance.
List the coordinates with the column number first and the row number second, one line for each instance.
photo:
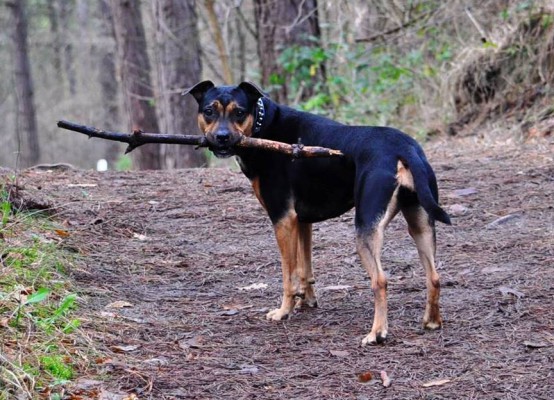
column 260, row 113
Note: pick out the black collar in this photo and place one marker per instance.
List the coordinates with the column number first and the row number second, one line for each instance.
column 260, row 113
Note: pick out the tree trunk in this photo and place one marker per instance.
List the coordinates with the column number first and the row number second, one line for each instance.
column 281, row 24
column 107, row 77
column 26, row 114
column 134, row 67
column 219, row 42
column 56, row 39
column 179, row 67
column 66, row 14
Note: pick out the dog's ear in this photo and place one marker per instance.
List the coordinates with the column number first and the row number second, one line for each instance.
column 252, row 91
column 199, row 90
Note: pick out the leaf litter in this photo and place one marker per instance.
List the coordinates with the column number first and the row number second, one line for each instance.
column 207, row 237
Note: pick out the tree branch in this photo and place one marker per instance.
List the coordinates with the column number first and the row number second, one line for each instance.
column 138, row 138
column 405, row 25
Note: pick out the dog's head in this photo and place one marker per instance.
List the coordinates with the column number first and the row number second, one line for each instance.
column 225, row 113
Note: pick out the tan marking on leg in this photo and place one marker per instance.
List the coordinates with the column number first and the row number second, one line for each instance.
column 404, row 176
column 286, row 233
column 369, row 249
column 304, row 266
column 424, row 236
column 257, row 191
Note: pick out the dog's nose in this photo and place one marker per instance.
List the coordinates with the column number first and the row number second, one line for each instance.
column 223, row 137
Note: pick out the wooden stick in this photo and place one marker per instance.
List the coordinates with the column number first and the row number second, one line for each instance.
column 138, row 138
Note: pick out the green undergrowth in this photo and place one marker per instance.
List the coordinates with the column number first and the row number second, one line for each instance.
column 41, row 345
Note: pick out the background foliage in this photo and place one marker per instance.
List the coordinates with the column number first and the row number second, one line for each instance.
column 384, row 63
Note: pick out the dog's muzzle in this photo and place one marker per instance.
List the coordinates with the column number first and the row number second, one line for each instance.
column 222, row 142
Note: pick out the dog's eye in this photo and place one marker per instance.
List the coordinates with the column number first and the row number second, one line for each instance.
column 208, row 112
column 240, row 113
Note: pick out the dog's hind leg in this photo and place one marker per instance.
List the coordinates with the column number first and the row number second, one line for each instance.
column 422, row 230
column 305, row 291
column 286, row 233
column 375, row 208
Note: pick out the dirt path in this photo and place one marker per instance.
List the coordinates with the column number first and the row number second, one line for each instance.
column 178, row 246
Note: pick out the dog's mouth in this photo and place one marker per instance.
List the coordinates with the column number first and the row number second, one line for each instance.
column 223, row 152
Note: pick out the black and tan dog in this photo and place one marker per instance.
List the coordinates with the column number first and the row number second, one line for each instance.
column 384, row 171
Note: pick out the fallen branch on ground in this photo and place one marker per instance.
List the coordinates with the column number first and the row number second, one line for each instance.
column 138, row 138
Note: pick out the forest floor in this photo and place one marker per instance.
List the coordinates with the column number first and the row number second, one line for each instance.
column 177, row 270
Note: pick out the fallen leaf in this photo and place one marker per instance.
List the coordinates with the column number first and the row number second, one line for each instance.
column 139, row 236
column 107, row 314
column 536, row 345
column 126, row 348
column 506, row 290
column 193, row 343
column 4, row 322
column 61, row 233
column 457, row 209
column 464, row 192
column 27, row 291
column 336, row 287
column 159, row 361
column 502, row 220
column 119, row 304
column 229, row 312
column 491, row 270
column 236, row 306
column 436, row 382
column 365, row 377
column 248, row 369
column 339, row 353
column 81, row 185
column 254, row 286
column 107, row 395
column 87, row 384
column 385, row 378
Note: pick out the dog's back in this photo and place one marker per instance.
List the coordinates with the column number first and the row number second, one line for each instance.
column 326, row 188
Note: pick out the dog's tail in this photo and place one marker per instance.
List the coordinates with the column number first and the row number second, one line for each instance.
column 425, row 184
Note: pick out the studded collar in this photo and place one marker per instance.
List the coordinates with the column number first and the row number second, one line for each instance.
column 260, row 114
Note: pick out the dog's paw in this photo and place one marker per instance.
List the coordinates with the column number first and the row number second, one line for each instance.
column 432, row 319
column 306, row 302
column 277, row 315
column 432, row 325
column 375, row 338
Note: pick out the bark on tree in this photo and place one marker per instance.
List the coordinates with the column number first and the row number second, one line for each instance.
column 281, row 24
column 134, row 67
column 220, row 43
column 107, row 76
column 67, row 9
column 179, row 67
column 56, row 39
column 26, row 114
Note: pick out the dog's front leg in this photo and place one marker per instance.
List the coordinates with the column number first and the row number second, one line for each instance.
column 305, row 290
column 286, row 233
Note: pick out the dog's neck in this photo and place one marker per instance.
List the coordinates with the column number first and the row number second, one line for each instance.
column 265, row 115
column 260, row 114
